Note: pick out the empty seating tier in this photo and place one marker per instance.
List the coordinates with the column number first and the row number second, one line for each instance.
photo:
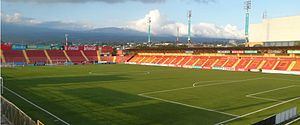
column 13, row 56
column 37, row 56
column 91, row 55
column 57, row 56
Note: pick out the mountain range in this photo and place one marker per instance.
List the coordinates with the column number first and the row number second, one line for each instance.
column 18, row 33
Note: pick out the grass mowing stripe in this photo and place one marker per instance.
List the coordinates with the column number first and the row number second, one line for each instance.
column 37, row 106
column 260, row 110
column 108, row 107
column 196, row 107
column 220, row 83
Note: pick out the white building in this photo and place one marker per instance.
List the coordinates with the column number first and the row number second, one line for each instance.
column 284, row 31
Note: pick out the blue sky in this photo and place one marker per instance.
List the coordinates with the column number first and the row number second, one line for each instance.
column 118, row 14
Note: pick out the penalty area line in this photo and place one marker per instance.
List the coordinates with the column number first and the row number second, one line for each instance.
column 267, row 91
column 35, row 105
column 187, row 105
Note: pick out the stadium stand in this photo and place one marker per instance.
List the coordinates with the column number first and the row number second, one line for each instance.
column 201, row 60
column 76, row 56
column 176, row 60
column 14, row 56
column 283, row 64
column 221, row 62
column 205, row 58
column 162, row 60
column 254, row 64
column 107, row 58
column 231, row 62
column 243, row 63
column 57, row 56
column 184, row 61
column 37, row 56
column 91, row 55
column 270, row 63
column 192, row 61
column 210, row 62
column 296, row 66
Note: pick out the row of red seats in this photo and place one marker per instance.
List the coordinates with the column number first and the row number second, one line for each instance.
column 207, row 62
column 58, row 56
column 14, row 56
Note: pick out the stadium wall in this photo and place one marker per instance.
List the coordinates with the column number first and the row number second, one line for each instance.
column 282, row 31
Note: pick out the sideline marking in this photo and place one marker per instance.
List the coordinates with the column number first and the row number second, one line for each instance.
column 298, row 119
column 37, row 106
column 187, row 105
column 260, row 110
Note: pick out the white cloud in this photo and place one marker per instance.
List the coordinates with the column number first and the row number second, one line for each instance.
column 17, row 18
column 161, row 25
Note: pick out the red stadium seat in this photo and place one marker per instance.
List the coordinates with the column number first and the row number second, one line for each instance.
column 270, row 63
column 255, row 63
column 57, row 56
column 283, row 64
column 14, row 56
column 91, row 55
column 296, row 66
column 37, row 56
column 75, row 56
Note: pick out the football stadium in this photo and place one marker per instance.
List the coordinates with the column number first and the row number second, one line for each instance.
column 257, row 83
column 78, row 85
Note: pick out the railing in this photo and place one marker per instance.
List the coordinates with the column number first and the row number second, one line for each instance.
column 13, row 114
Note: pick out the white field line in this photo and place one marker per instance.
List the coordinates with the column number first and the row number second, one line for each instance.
column 196, row 83
column 272, row 90
column 260, row 110
column 37, row 106
column 187, row 105
column 284, row 79
column 292, row 122
column 261, row 98
column 206, row 85
column 222, row 83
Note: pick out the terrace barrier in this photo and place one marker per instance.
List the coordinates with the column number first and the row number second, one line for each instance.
column 13, row 114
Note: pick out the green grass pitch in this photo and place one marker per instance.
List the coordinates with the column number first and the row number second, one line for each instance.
column 147, row 95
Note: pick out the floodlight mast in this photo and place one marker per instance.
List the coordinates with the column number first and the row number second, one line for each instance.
column 178, row 40
column 149, row 30
column 247, row 7
column 66, row 36
column 189, row 27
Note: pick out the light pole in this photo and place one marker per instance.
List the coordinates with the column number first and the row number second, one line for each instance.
column 149, row 31
column 189, row 27
column 247, row 20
